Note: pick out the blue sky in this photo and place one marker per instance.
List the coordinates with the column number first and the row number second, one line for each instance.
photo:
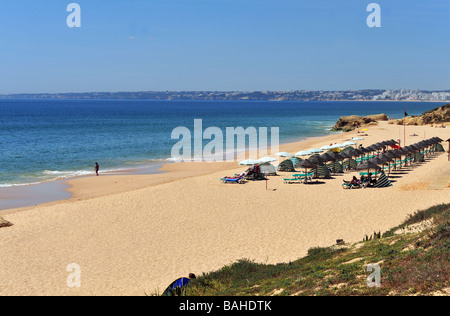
column 138, row 45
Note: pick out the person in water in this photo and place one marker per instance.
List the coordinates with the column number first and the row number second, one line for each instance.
column 97, row 168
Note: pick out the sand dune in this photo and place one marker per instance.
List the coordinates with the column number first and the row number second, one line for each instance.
column 133, row 235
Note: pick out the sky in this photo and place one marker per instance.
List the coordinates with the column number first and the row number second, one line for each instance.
column 226, row 45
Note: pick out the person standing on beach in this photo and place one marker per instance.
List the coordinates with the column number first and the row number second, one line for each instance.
column 97, row 167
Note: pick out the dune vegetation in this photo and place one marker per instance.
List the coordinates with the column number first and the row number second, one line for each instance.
column 414, row 258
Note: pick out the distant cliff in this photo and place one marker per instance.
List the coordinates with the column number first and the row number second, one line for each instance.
column 295, row 95
column 349, row 123
column 438, row 115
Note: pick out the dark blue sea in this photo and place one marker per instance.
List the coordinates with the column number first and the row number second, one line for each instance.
column 42, row 140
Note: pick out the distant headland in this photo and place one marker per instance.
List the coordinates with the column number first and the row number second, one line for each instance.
column 298, row 95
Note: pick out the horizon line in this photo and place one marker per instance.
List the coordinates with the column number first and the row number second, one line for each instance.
column 221, row 91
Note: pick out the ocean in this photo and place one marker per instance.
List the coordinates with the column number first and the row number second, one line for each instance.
column 44, row 140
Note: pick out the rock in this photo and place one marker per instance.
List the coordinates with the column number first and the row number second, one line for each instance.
column 438, row 115
column 349, row 123
column 378, row 117
column 4, row 223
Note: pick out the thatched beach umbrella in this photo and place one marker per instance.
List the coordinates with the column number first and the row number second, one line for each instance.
column 316, row 159
column 379, row 161
column 326, row 157
column 428, row 144
column 448, row 140
column 393, row 142
column 346, row 154
column 403, row 152
column 394, row 154
column 413, row 150
column 372, row 148
column 306, row 164
column 410, row 150
column 295, row 161
column 349, row 155
column 367, row 151
column 415, row 147
column 380, row 145
column 388, row 160
column 360, row 152
column 335, row 157
column 355, row 152
column 368, row 165
column 433, row 141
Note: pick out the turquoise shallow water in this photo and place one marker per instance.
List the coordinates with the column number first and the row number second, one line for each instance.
column 42, row 140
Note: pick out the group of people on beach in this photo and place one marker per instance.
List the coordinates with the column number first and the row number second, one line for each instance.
column 369, row 180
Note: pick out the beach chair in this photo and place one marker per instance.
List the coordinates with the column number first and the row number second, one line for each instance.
column 349, row 185
column 299, row 178
column 293, row 180
column 303, row 175
column 238, row 180
column 367, row 173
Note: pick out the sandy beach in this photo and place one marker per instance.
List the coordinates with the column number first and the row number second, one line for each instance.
column 135, row 234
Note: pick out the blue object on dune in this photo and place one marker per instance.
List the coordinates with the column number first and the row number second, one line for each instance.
column 176, row 287
column 180, row 283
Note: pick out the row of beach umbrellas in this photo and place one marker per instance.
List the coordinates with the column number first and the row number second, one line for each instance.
column 373, row 164
column 392, row 155
column 312, row 151
column 383, row 159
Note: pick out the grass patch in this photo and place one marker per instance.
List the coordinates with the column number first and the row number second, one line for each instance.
column 417, row 263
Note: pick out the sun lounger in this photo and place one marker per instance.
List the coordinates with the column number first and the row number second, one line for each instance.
column 294, row 180
column 366, row 173
column 299, row 178
column 239, row 180
column 349, row 185
column 302, row 175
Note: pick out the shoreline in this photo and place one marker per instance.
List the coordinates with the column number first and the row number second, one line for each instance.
column 128, row 233
column 125, row 170
column 70, row 186
column 58, row 189
column 155, row 167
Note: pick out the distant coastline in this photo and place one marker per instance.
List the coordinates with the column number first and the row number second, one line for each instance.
column 298, row 95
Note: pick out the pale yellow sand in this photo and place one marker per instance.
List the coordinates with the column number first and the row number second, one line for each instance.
column 133, row 235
